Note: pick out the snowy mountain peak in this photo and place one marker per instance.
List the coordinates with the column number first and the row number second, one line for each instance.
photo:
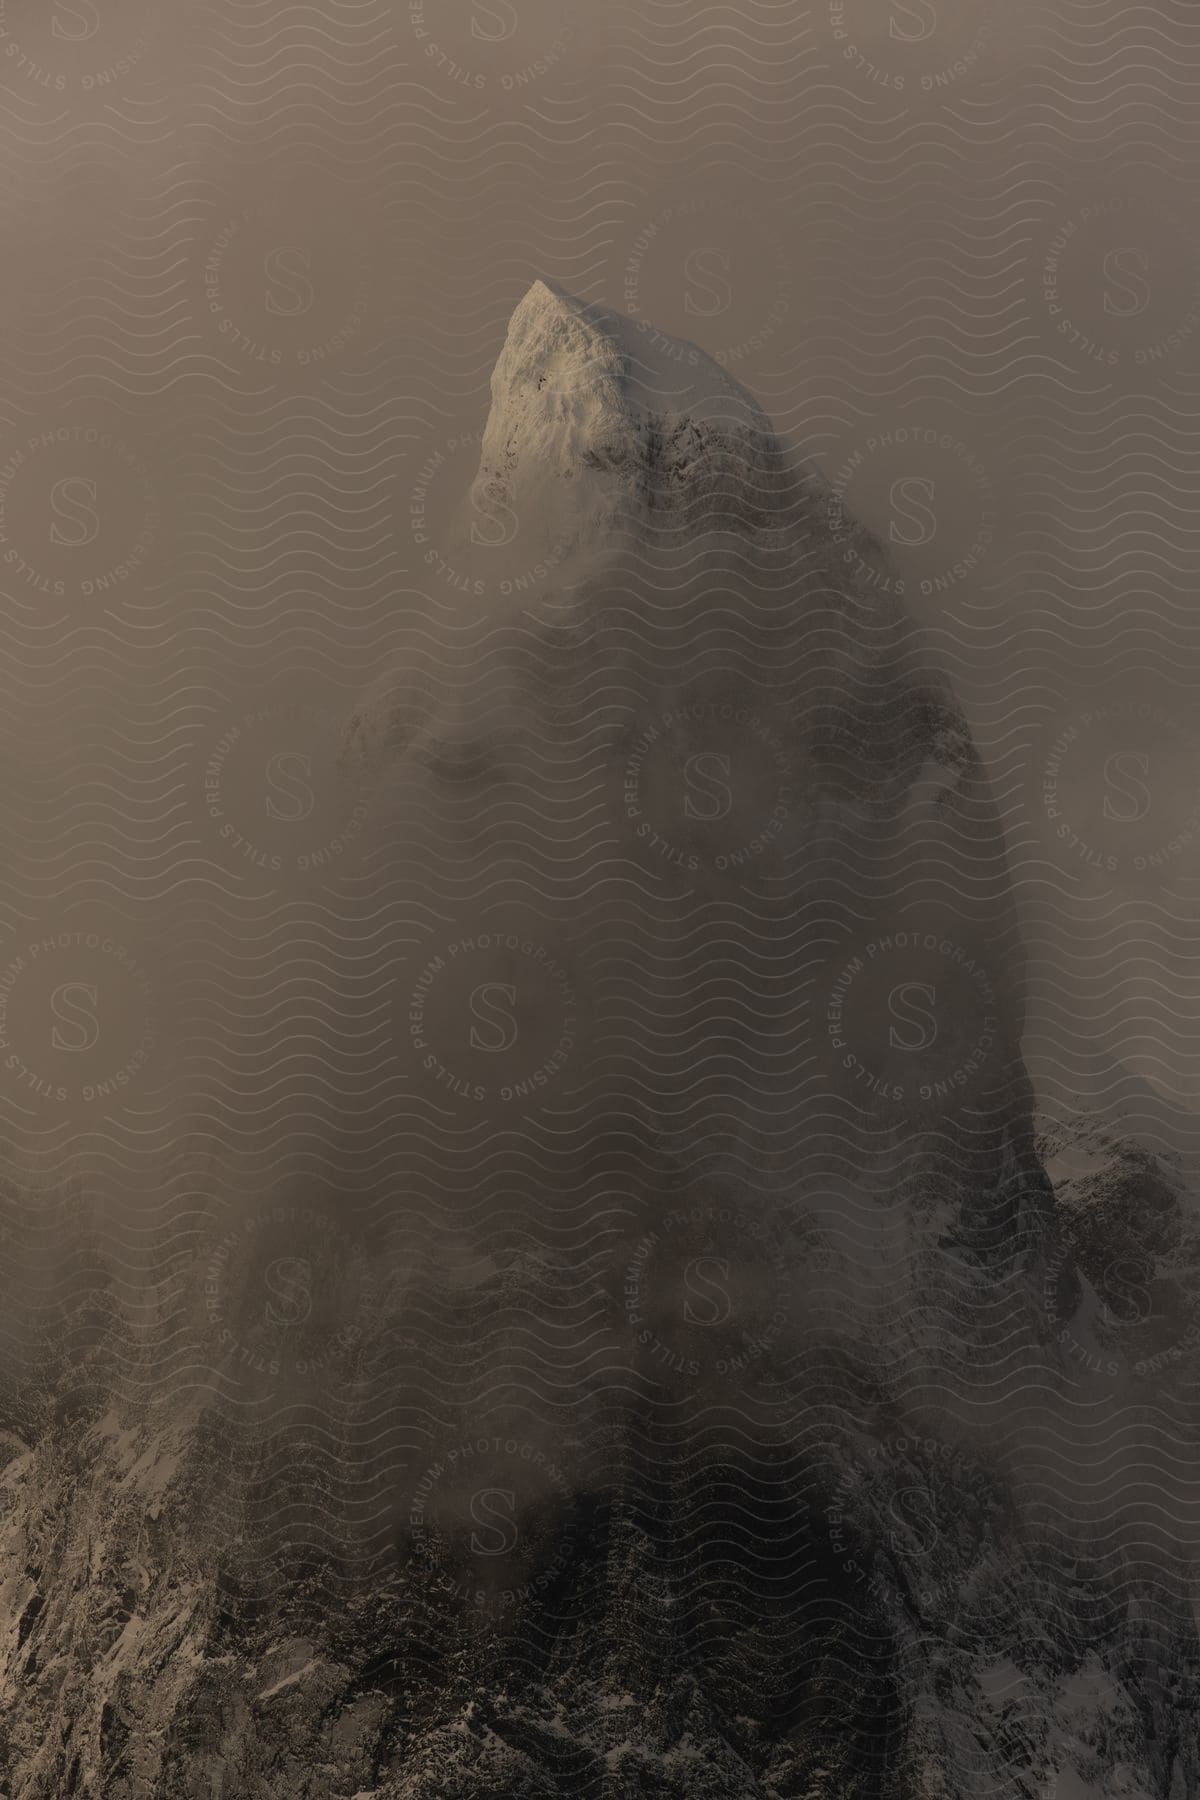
column 601, row 427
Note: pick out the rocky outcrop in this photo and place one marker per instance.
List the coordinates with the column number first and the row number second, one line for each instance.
column 600, row 429
column 707, row 1438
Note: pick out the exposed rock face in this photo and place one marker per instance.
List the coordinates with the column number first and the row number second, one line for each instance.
column 730, row 1298
column 1129, row 1210
column 599, row 429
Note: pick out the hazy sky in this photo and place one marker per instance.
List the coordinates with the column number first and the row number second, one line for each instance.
column 261, row 262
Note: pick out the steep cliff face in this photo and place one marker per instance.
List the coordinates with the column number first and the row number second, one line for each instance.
column 708, row 721
column 707, row 1438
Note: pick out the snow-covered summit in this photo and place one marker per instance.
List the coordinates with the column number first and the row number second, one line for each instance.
column 669, row 441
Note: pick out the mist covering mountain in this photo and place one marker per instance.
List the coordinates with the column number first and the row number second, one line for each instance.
column 720, row 1405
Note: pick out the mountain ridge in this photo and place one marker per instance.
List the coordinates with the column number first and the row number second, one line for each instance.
column 737, row 1318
